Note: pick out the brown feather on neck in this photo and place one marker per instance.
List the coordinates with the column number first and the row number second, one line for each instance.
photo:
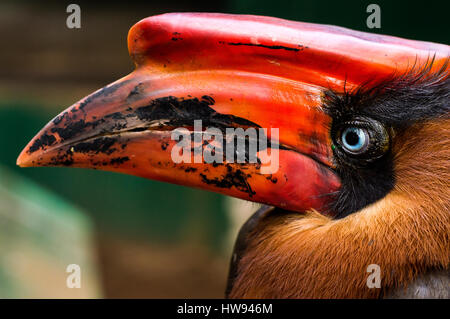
column 406, row 233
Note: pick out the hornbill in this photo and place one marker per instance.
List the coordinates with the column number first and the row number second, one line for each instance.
column 363, row 146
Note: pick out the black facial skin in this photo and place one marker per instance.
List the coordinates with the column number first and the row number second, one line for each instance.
column 366, row 176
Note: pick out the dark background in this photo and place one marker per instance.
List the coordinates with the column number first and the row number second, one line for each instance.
column 151, row 239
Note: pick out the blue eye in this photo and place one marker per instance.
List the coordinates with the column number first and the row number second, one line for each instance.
column 355, row 139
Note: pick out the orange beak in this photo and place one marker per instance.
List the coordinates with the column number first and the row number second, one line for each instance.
column 229, row 72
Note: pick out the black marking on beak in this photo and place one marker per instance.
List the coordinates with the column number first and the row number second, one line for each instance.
column 43, row 141
column 233, row 178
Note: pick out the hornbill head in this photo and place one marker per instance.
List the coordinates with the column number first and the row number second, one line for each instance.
column 352, row 136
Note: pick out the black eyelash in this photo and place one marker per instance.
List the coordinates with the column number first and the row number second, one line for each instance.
column 397, row 101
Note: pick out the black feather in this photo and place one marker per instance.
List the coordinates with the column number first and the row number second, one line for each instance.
column 399, row 100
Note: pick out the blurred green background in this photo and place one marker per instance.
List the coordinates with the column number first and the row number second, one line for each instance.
column 136, row 238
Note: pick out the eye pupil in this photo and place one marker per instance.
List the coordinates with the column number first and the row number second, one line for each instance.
column 352, row 138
